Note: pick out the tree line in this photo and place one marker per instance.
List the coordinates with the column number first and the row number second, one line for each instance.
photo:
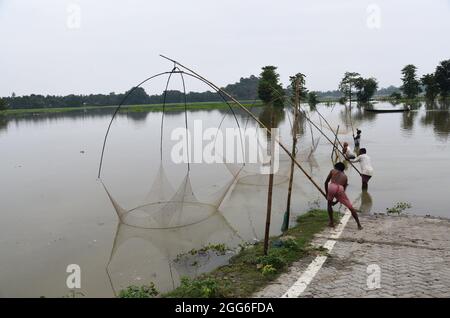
column 352, row 87
column 245, row 89
column 433, row 84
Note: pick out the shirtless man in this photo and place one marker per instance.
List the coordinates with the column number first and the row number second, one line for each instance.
column 335, row 186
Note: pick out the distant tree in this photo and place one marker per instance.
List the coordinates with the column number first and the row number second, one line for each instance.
column 13, row 95
column 137, row 96
column 395, row 95
column 387, row 91
column 312, row 98
column 366, row 88
column 411, row 86
column 348, row 83
column 300, row 78
column 245, row 89
column 431, row 86
column 269, row 87
column 342, row 100
column 442, row 75
column 3, row 104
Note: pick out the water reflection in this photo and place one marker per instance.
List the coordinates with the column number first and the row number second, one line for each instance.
column 408, row 119
column 165, row 256
column 437, row 115
column 3, row 123
column 366, row 202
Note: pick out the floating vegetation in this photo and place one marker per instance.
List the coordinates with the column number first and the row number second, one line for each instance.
column 250, row 269
column 398, row 208
column 218, row 249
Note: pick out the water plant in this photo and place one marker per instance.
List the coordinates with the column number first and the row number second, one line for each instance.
column 200, row 288
column 218, row 249
column 398, row 208
column 268, row 270
column 144, row 291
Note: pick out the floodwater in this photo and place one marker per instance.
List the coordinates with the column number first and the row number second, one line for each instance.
column 54, row 212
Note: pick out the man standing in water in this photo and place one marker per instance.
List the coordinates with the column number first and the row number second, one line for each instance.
column 348, row 152
column 357, row 140
column 335, row 186
column 366, row 167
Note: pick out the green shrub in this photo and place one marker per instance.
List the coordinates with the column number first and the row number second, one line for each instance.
column 271, row 259
column 145, row 291
column 268, row 270
column 291, row 244
column 199, row 288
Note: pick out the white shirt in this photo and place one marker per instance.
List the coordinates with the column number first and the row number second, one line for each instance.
column 349, row 152
column 366, row 165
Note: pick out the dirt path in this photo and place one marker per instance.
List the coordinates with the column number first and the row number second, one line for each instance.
column 393, row 256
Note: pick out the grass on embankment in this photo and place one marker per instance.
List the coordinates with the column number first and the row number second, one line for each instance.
column 130, row 108
column 249, row 270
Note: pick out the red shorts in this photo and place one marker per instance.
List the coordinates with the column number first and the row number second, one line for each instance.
column 337, row 191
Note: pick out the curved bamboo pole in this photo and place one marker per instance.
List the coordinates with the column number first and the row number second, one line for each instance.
column 254, row 118
column 323, row 134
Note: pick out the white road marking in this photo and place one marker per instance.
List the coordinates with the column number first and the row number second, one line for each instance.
column 307, row 276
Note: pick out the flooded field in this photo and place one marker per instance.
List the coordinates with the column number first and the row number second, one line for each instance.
column 54, row 212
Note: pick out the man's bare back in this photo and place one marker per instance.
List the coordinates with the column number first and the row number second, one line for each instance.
column 338, row 177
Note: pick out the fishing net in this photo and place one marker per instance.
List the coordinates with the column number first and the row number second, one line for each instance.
column 165, row 256
column 250, row 173
column 168, row 204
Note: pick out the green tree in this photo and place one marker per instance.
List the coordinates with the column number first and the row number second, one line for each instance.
column 395, row 95
column 348, row 83
column 246, row 88
column 300, row 78
column 366, row 88
column 3, row 104
column 431, row 86
column 411, row 86
column 270, row 90
column 137, row 96
column 312, row 98
column 442, row 75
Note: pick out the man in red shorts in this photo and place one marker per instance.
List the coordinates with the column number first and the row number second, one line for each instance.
column 335, row 186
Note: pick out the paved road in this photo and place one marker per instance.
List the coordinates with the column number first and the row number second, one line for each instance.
column 393, row 256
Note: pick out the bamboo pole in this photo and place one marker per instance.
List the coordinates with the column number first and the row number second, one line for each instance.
column 270, row 188
column 330, row 141
column 254, row 118
column 323, row 134
column 287, row 215
column 336, row 135
column 334, row 146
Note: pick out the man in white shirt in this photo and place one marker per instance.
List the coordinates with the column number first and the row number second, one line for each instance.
column 366, row 167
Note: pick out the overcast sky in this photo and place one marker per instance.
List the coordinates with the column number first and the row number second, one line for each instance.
column 85, row 46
